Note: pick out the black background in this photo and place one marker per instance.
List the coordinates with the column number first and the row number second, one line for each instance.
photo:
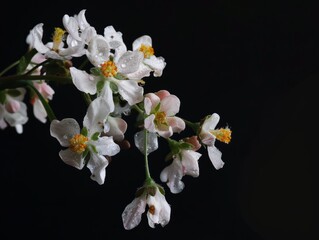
column 254, row 63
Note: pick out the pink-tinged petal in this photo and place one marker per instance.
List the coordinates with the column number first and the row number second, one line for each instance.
column 83, row 81
column 98, row 50
column 162, row 94
column 18, row 118
column 97, row 113
column 190, row 162
column 130, row 91
column 129, row 62
column 194, row 141
column 145, row 39
column 64, row 130
column 170, row 105
column 207, row 138
column 147, row 105
column 172, row 175
column 13, row 106
column 154, row 99
column 97, row 164
column 149, row 123
column 215, row 156
column 106, row 146
column 164, row 131
column 157, row 64
column 38, row 58
column 117, row 128
column 132, row 214
column 46, row 91
column 72, row 158
column 3, row 124
column 39, row 111
column 177, row 124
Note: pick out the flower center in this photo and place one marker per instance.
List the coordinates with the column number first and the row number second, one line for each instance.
column 78, row 143
column 109, row 69
column 57, row 38
column 160, row 118
column 222, row 134
column 147, row 50
column 151, row 209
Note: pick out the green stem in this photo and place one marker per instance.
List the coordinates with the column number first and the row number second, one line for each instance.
column 10, row 80
column 147, row 171
column 194, row 126
column 137, row 108
column 9, row 67
column 36, row 66
column 47, row 107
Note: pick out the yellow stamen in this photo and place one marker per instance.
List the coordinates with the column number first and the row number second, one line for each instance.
column 109, row 69
column 147, row 50
column 151, row 209
column 160, row 118
column 222, row 134
column 57, row 38
column 78, row 143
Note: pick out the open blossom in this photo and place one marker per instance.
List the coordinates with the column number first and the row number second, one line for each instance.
column 208, row 135
column 112, row 71
column 13, row 110
column 161, row 108
column 55, row 49
column 159, row 211
column 184, row 163
column 81, row 143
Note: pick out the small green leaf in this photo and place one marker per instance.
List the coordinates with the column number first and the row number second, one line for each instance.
column 84, row 131
column 95, row 136
column 25, row 60
column 151, row 190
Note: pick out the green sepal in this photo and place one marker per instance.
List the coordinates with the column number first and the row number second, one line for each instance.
column 2, row 97
column 161, row 189
column 185, row 146
column 151, row 190
column 85, row 153
column 139, row 191
column 157, row 107
column 13, row 92
column 95, row 71
column 95, row 136
column 114, row 87
column 84, row 131
column 94, row 149
column 25, row 60
column 99, row 86
column 120, row 76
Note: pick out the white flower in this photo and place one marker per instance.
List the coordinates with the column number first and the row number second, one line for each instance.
column 208, row 135
column 111, row 72
column 184, row 163
column 159, row 211
column 161, row 108
column 54, row 49
column 150, row 61
column 13, row 110
column 80, row 143
column 78, row 28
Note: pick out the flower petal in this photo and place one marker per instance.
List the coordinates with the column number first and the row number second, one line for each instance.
column 64, row 130
column 215, row 156
column 83, row 81
column 72, row 158
column 132, row 214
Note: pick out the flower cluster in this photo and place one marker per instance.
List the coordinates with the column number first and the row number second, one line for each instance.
column 111, row 79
